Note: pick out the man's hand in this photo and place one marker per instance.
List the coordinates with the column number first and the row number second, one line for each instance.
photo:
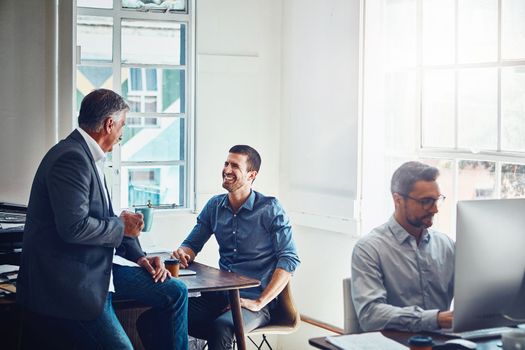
column 155, row 267
column 133, row 223
column 185, row 255
column 252, row 305
column 445, row 318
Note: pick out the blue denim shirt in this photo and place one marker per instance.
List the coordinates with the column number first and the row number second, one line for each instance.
column 253, row 242
column 398, row 284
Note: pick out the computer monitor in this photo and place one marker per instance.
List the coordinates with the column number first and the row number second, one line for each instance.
column 490, row 264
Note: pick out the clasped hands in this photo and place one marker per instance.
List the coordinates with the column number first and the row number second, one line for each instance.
column 155, row 267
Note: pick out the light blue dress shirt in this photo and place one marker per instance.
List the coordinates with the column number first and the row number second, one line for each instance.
column 253, row 242
column 397, row 284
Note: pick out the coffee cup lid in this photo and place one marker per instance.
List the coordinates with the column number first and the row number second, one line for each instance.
column 171, row 261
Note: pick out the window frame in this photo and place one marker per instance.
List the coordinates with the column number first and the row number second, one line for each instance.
column 113, row 166
column 417, row 149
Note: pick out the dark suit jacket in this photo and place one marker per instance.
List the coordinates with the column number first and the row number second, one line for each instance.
column 69, row 236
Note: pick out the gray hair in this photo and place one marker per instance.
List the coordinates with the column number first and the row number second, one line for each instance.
column 408, row 174
column 97, row 106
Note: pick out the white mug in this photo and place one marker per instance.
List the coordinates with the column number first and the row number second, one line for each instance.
column 513, row 340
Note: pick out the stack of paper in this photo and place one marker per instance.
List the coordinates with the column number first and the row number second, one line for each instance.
column 365, row 341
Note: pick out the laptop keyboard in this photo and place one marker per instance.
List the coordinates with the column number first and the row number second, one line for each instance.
column 483, row 333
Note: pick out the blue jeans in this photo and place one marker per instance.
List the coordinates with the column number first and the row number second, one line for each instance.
column 165, row 325
column 207, row 320
column 102, row 333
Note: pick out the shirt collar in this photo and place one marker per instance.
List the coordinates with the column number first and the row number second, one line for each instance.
column 248, row 203
column 401, row 234
column 97, row 152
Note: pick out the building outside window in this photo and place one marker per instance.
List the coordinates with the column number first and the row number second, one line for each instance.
column 141, row 50
column 446, row 78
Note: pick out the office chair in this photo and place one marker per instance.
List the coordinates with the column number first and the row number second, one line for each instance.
column 351, row 321
column 285, row 319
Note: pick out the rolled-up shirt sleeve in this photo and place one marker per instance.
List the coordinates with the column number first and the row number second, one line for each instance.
column 369, row 296
column 286, row 252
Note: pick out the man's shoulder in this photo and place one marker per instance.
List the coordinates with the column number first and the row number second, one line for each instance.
column 263, row 199
column 375, row 238
column 268, row 204
column 68, row 147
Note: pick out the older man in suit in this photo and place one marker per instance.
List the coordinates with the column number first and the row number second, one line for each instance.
column 69, row 268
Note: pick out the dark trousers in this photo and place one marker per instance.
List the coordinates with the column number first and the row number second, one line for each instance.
column 208, row 318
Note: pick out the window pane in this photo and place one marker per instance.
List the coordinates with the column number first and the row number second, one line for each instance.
column 135, row 79
column 159, row 5
column 151, row 79
column 512, row 181
column 90, row 78
column 476, row 180
column 513, row 29
column 438, row 31
column 478, row 30
column 101, row 4
column 153, row 139
column 153, row 42
column 400, row 33
column 443, row 221
column 94, row 36
column 160, row 184
column 164, row 94
column 400, row 109
column 477, row 109
column 438, row 109
column 513, row 108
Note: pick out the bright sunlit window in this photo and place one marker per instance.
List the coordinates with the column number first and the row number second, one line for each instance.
column 140, row 49
column 446, row 78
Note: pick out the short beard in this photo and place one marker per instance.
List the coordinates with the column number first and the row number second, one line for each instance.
column 230, row 187
column 418, row 223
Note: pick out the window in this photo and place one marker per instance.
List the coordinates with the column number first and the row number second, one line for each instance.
column 140, row 50
column 446, row 78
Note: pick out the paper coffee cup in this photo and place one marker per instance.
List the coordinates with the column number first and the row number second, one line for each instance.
column 513, row 340
column 172, row 265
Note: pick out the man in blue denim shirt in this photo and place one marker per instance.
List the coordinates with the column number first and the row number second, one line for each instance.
column 255, row 239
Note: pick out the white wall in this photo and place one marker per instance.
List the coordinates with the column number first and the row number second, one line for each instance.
column 320, row 99
column 25, row 129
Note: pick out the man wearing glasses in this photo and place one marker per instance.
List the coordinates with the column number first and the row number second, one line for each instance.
column 403, row 271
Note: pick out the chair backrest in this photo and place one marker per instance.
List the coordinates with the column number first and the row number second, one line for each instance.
column 285, row 318
column 351, row 321
column 285, row 313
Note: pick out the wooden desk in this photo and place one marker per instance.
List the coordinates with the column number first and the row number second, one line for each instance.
column 209, row 279
column 402, row 338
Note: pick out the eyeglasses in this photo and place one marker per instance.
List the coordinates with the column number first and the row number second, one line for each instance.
column 428, row 202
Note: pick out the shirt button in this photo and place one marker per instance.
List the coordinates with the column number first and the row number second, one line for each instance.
column 234, row 215
column 233, row 232
column 235, row 250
